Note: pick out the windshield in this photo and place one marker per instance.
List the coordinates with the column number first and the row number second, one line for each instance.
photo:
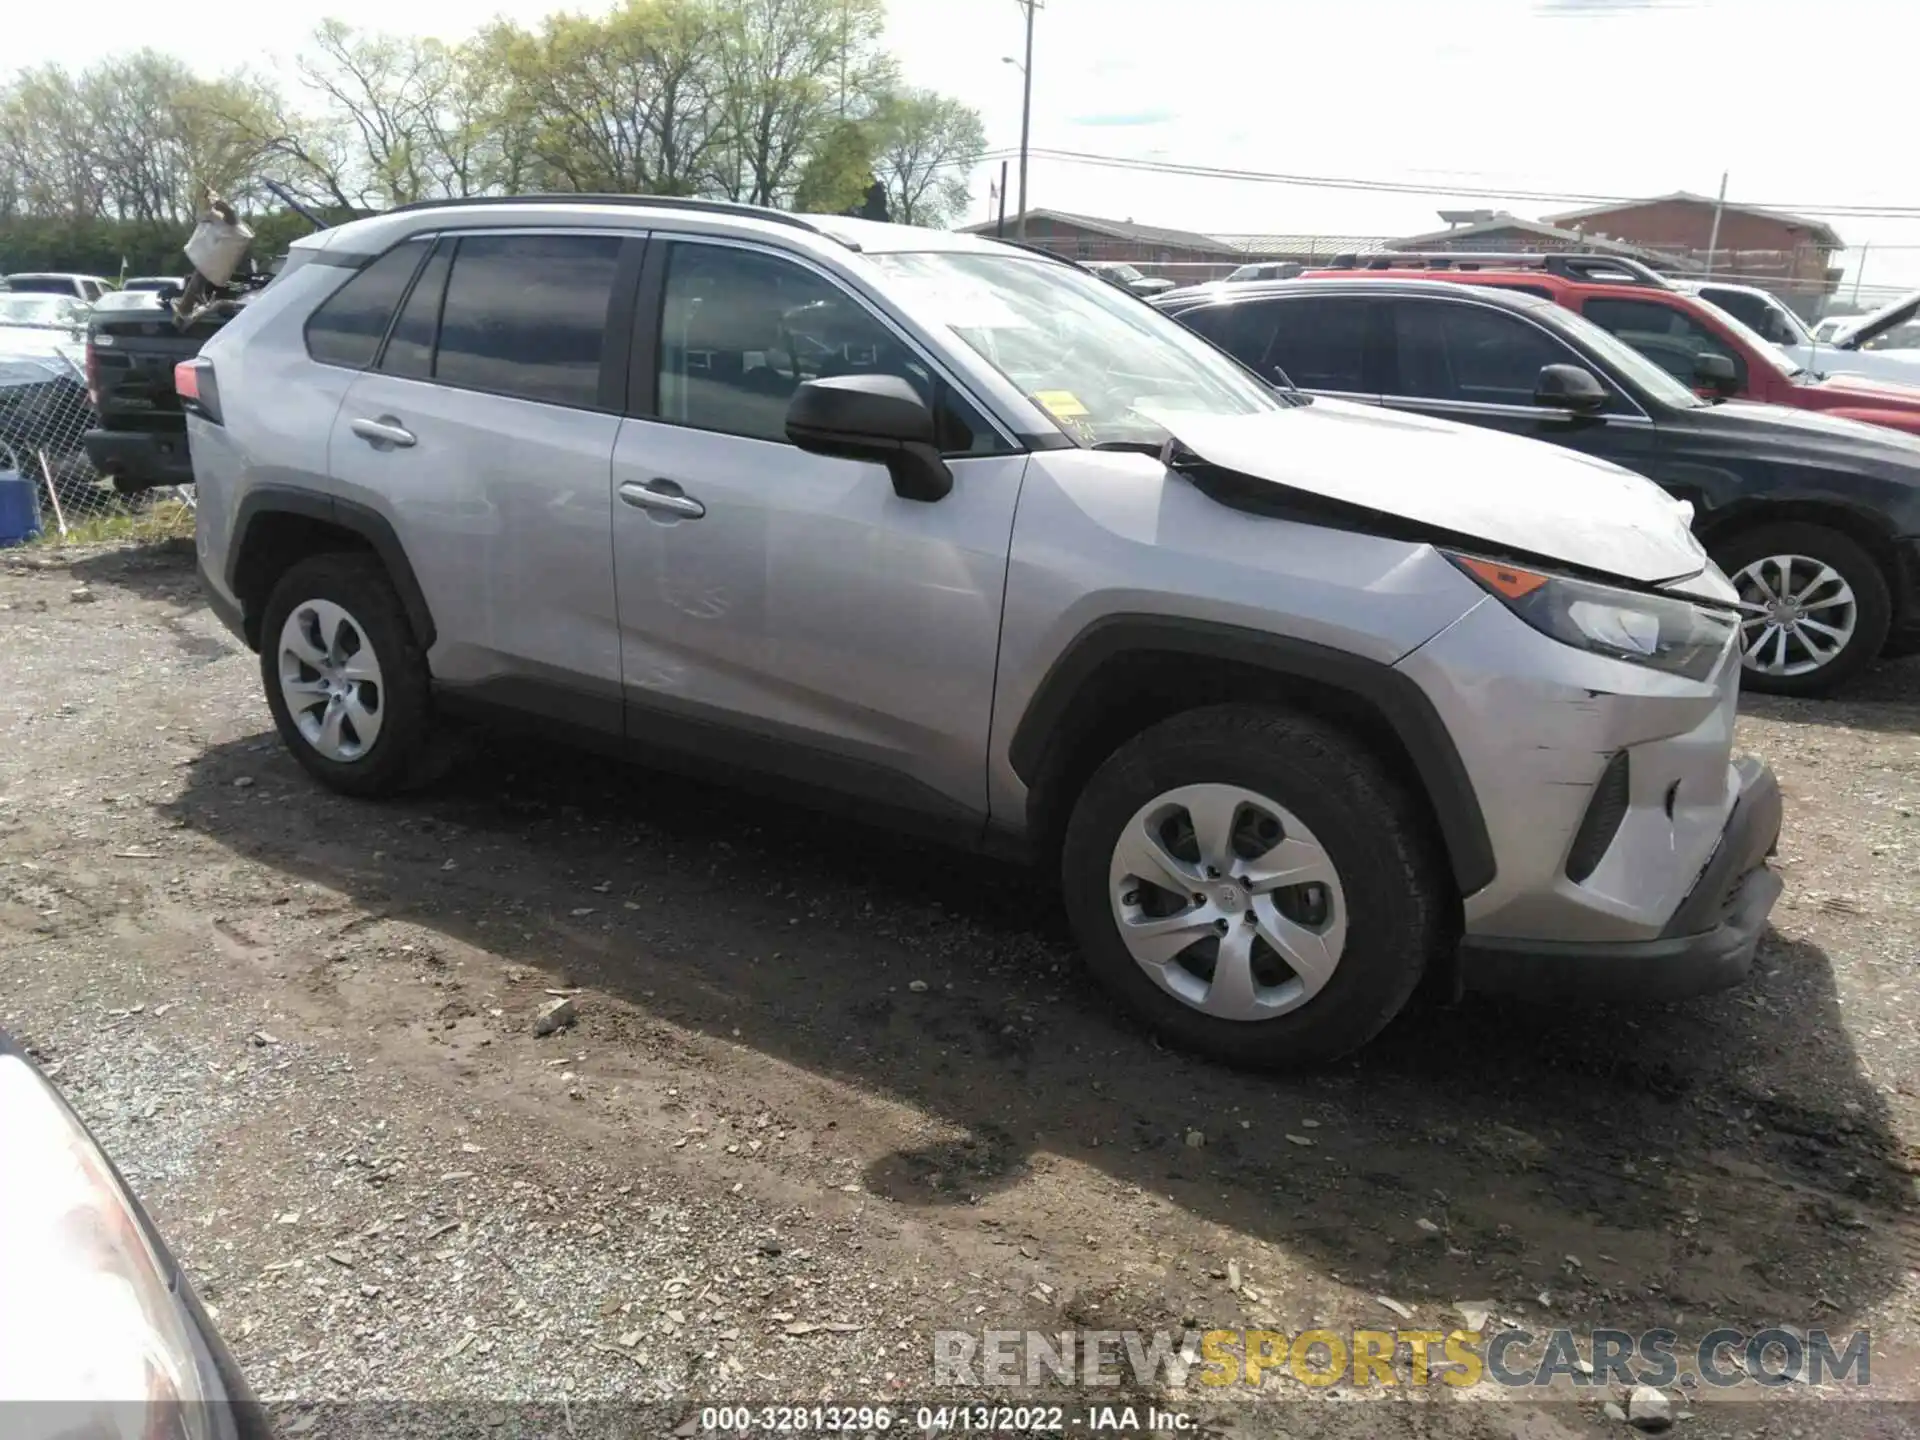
column 1766, row 350
column 43, row 312
column 1627, row 360
column 1101, row 363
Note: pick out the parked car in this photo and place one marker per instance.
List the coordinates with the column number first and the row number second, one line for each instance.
column 1814, row 518
column 1296, row 700
column 106, row 1336
column 41, row 324
column 1679, row 332
column 80, row 287
column 1267, row 270
column 138, row 434
column 163, row 283
column 1813, row 351
column 1129, row 277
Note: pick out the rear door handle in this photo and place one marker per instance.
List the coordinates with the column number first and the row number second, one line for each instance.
column 384, row 431
column 662, row 496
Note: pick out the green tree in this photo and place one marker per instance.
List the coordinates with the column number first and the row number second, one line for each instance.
column 840, row 170
column 928, row 146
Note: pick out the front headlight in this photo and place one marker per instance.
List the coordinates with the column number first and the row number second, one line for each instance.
column 92, row 1335
column 1662, row 632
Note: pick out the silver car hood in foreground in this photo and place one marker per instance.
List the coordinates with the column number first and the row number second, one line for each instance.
column 1512, row 493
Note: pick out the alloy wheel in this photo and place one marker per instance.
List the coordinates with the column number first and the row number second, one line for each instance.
column 1799, row 614
column 330, row 679
column 1228, row 902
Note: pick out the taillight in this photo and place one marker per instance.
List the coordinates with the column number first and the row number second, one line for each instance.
column 193, row 382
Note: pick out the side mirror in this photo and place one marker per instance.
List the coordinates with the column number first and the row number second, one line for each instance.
column 872, row 417
column 1569, row 387
column 1716, row 373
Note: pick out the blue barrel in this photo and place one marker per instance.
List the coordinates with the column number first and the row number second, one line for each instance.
column 19, row 508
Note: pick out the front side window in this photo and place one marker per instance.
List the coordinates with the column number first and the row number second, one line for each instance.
column 740, row 331
column 350, row 323
column 526, row 316
column 1106, row 368
column 1671, row 338
column 1470, row 353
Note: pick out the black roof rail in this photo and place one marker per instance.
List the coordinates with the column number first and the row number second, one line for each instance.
column 653, row 202
column 1573, row 265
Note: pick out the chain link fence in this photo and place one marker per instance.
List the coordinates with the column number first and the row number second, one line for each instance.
column 45, row 414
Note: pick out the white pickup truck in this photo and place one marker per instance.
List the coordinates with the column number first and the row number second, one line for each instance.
column 1839, row 349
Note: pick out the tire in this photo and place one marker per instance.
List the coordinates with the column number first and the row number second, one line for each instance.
column 400, row 752
column 1387, row 883
column 1869, row 609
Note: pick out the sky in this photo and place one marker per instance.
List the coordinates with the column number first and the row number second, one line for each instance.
column 1588, row 97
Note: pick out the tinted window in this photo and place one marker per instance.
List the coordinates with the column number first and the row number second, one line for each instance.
column 1671, row 338
column 1470, row 353
column 410, row 348
column 1321, row 344
column 1244, row 331
column 740, row 332
column 526, row 315
column 346, row 330
column 1750, row 308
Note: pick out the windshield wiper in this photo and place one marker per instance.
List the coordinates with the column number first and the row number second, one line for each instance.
column 1295, row 395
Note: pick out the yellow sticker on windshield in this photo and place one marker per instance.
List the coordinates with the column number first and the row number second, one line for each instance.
column 1062, row 404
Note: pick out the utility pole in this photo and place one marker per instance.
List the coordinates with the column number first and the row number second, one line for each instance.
column 1026, row 114
column 1713, row 240
column 1000, row 229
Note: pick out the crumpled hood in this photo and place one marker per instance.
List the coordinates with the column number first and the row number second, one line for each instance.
column 1513, row 493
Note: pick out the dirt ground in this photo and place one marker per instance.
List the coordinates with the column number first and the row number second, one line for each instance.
column 829, row 1091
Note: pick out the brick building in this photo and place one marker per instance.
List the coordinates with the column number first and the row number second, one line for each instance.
column 1179, row 254
column 1499, row 232
column 1791, row 255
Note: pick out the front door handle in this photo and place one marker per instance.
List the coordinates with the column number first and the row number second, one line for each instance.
column 662, row 496
column 384, row 431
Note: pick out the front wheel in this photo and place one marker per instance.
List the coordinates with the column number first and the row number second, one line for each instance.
column 1815, row 607
column 1254, row 885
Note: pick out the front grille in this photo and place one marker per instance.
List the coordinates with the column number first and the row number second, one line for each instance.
column 1601, row 823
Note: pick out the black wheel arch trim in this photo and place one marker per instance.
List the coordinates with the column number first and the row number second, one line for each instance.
column 1399, row 702
column 362, row 520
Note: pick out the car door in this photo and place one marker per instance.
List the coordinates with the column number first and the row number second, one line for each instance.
column 1458, row 359
column 788, row 612
column 483, row 428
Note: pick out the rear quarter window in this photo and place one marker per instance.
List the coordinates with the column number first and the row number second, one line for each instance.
column 350, row 324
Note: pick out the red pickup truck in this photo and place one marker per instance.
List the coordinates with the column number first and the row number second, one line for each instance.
column 1695, row 341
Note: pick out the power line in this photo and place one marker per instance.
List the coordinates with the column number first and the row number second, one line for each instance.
column 1401, row 187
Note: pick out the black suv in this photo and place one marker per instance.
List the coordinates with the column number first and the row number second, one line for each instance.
column 1817, row 520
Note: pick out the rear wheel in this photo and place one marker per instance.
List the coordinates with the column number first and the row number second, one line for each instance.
column 1815, row 605
column 345, row 679
column 1253, row 885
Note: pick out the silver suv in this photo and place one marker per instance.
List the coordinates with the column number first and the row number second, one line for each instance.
column 1301, row 700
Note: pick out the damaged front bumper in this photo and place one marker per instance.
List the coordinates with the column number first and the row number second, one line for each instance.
column 1707, row 945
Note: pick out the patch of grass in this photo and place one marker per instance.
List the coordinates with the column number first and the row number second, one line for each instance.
column 167, row 519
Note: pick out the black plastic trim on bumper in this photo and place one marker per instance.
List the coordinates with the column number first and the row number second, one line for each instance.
column 140, row 456
column 1707, row 946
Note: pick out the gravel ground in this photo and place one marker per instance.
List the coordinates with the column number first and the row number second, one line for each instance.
column 828, row 1091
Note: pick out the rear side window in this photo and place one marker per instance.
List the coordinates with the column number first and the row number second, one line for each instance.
column 409, row 349
column 526, row 316
column 348, row 327
column 1321, row 344
column 1244, row 331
